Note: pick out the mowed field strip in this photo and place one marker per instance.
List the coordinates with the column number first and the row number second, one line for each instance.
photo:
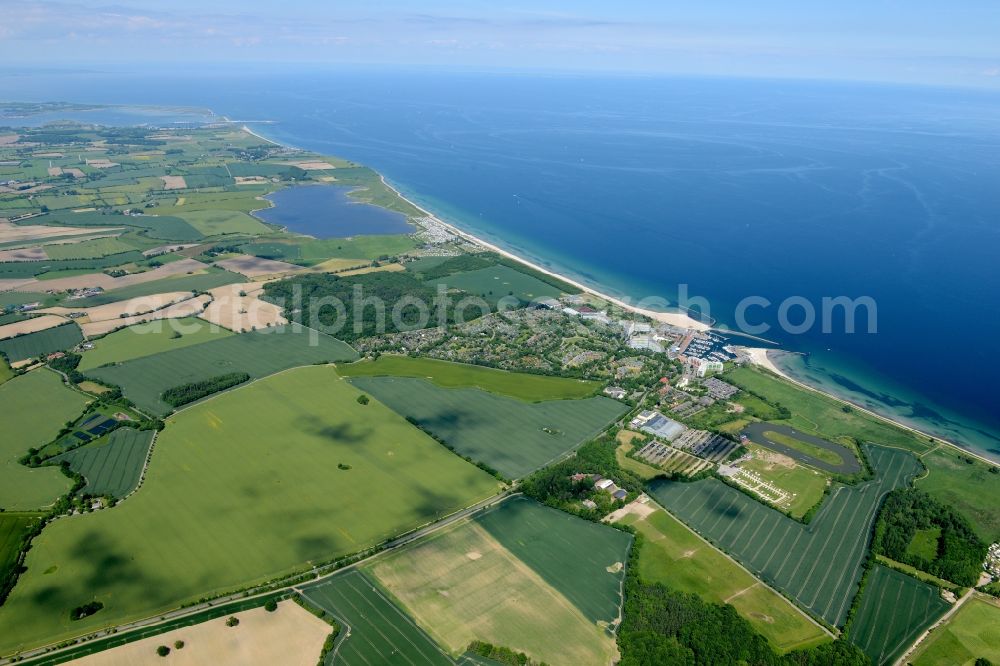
column 380, row 633
column 818, row 565
column 560, row 576
column 673, row 555
column 446, row 374
column 508, row 434
column 33, row 407
column 113, row 464
column 895, row 609
column 261, row 481
column 258, row 353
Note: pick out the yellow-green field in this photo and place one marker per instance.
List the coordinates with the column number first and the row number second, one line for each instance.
column 258, row 482
column 33, row 407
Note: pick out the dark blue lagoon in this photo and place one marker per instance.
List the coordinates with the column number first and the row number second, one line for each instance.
column 326, row 211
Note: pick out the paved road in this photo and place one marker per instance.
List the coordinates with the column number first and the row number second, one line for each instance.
column 850, row 465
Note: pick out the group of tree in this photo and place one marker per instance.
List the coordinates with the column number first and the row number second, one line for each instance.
column 361, row 306
column 85, row 610
column 555, row 487
column 501, row 655
column 185, row 393
column 960, row 552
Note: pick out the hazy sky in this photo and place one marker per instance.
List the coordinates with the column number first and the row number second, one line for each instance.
column 918, row 41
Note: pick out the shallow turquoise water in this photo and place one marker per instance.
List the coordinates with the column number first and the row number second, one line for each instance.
column 736, row 189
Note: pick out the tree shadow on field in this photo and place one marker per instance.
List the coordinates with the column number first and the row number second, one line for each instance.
column 433, row 503
column 104, row 568
column 451, row 418
column 729, row 512
column 315, row 548
column 345, row 433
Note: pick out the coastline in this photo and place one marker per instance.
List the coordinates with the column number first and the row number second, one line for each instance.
column 758, row 355
column 672, row 318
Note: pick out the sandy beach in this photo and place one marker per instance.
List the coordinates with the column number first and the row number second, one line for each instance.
column 672, row 318
column 758, row 355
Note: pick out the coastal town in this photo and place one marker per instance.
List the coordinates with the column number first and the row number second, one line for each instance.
column 278, row 404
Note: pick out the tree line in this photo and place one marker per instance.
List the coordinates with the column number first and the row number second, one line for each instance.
column 185, row 393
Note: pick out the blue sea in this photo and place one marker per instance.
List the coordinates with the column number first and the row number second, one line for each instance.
column 782, row 192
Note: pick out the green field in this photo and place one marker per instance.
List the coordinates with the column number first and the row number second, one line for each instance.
column 33, row 407
column 88, row 249
column 379, row 632
column 564, row 550
column 13, row 529
column 113, row 464
column 163, row 227
column 806, row 483
column 6, row 374
column 818, row 565
column 821, row 415
column 310, row 251
column 220, row 222
column 509, row 435
column 258, row 353
column 241, row 488
column 28, row 269
column 894, row 610
column 676, row 557
column 557, row 575
column 967, row 485
column 532, row 388
column 639, row 468
column 496, row 282
column 925, row 543
column 971, row 633
column 151, row 338
column 58, row 338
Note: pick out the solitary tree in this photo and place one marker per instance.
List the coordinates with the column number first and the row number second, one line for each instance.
column 271, row 606
column 163, row 650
